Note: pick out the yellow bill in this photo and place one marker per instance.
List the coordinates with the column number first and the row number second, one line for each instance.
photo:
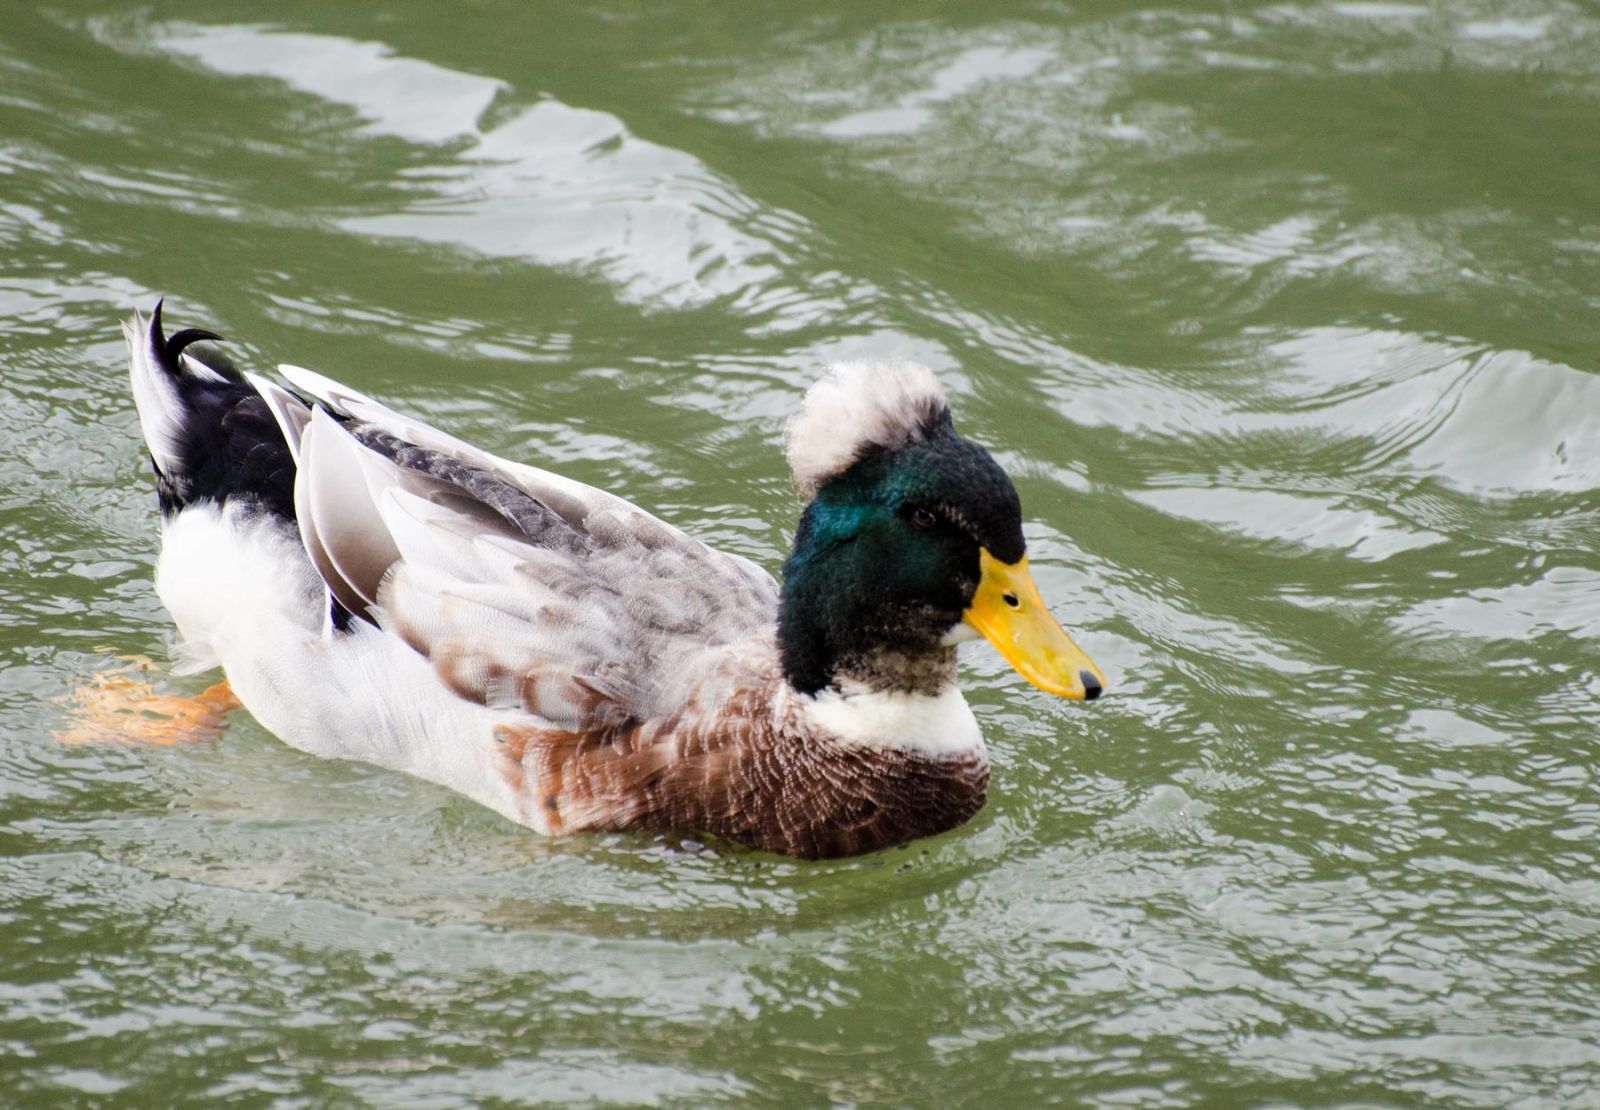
column 1009, row 612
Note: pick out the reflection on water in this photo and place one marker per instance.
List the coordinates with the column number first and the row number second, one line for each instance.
column 562, row 186
column 1283, row 319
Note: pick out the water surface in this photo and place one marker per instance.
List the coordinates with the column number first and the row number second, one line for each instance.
column 1282, row 316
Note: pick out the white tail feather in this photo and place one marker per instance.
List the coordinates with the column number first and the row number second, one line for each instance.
column 160, row 408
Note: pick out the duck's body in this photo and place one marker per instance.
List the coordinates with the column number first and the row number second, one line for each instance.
column 375, row 589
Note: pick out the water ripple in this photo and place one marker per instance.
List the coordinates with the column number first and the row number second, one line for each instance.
column 1280, row 316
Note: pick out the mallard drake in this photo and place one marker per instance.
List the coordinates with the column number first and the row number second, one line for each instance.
column 376, row 589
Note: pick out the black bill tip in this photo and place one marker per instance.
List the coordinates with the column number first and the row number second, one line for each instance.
column 1091, row 685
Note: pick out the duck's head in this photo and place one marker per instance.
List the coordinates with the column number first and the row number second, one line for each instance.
column 912, row 542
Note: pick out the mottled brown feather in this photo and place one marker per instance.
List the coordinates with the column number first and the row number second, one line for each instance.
column 742, row 773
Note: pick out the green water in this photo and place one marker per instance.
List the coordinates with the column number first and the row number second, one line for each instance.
column 1283, row 317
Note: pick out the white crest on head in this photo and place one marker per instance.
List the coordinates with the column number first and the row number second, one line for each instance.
column 856, row 408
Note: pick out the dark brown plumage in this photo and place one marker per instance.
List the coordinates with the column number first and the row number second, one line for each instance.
column 742, row 774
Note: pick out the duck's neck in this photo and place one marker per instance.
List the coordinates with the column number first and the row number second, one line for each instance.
column 893, row 672
column 814, row 664
column 868, row 601
column 835, row 631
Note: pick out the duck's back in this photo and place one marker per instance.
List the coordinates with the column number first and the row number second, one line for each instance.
column 520, row 590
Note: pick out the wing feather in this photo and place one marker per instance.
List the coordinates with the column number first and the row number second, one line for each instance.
column 291, row 413
column 584, row 507
column 356, row 549
column 523, row 588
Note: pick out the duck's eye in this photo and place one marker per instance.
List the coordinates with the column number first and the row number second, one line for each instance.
column 923, row 518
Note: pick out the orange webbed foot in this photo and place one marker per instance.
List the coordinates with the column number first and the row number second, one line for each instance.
column 123, row 707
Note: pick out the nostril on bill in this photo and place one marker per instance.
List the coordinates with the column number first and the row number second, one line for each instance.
column 1091, row 685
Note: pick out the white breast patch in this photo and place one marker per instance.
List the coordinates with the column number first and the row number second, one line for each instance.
column 942, row 724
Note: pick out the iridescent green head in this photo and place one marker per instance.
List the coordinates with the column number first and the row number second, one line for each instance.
column 912, row 541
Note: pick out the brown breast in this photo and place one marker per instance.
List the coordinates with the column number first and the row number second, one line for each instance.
column 742, row 775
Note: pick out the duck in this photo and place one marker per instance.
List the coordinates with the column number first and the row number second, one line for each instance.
column 376, row 589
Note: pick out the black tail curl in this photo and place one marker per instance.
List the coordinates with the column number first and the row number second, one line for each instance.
column 228, row 446
column 170, row 350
